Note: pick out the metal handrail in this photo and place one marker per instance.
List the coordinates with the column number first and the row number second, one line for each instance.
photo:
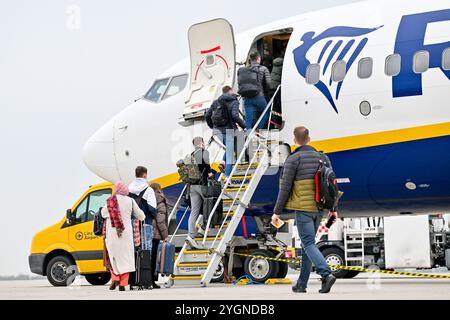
column 238, row 161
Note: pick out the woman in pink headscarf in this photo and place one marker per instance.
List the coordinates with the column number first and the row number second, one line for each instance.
column 119, row 234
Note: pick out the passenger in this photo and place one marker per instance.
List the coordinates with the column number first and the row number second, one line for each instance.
column 201, row 157
column 254, row 93
column 160, row 227
column 276, row 74
column 297, row 192
column 145, row 197
column 119, row 234
column 224, row 118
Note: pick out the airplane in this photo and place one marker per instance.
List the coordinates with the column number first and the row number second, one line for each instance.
column 371, row 81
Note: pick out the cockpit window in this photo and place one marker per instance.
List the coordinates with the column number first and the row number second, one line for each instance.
column 177, row 84
column 157, row 90
column 166, row 88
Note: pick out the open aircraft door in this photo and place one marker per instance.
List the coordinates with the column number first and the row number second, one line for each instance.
column 213, row 65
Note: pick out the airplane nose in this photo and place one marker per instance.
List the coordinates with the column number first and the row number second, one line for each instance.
column 98, row 153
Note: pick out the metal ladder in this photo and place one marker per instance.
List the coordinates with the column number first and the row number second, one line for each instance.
column 354, row 244
column 195, row 266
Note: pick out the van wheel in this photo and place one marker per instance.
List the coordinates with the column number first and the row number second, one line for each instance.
column 98, row 279
column 219, row 274
column 259, row 269
column 61, row 271
column 334, row 255
column 283, row 270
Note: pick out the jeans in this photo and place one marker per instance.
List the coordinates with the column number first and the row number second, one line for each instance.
column 148, row 236
column 307, row 225
column 254, row 106
column 227, row 138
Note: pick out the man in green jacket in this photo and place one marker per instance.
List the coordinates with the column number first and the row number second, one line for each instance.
column 297, row 192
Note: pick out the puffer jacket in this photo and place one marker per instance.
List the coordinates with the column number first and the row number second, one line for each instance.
column 160, row 224
column 297, row 187
column 277, row 70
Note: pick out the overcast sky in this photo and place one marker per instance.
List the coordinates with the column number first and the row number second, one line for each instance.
column 62, row 77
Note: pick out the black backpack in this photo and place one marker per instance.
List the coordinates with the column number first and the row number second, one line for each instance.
column 220, row 115
column 327, row 190
column 248, row 81
column 98, row 223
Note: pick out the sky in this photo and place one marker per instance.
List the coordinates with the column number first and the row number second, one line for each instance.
column 67, row 67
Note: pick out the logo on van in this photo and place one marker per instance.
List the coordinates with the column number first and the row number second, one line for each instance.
column 351, row 46
column 79, row 235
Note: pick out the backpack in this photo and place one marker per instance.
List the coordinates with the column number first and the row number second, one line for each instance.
column 138, row 198
column 98, row 223
column 188, row 169
column 219, row 115
column 248, row 81
column 327, row 190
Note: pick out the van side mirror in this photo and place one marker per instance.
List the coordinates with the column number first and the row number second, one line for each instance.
column 69, row 216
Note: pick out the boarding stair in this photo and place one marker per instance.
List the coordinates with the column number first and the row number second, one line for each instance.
column 354, row 243
column 197, row 266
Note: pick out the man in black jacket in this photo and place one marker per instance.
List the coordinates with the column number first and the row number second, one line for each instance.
column 224, row 118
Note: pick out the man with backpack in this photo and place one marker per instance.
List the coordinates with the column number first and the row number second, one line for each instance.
column 195, row 170
column 145, row 197
column 298, row 191
column 254, row 85
column 224, row 118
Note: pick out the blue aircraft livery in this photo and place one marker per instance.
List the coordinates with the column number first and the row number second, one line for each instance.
column 410, row 39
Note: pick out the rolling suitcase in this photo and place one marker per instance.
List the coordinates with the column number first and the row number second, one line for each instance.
column 166, row 258
column 142, row 278
column 208, row 205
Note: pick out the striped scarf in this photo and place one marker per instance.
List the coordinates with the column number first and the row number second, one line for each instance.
column 114, row 214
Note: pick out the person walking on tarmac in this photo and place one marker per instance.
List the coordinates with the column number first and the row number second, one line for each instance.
column 224, row 118
column 160, row 227
column 297, row 192
column 119, row 234
column 144, row 196
column 196, row 196
column 254, row 85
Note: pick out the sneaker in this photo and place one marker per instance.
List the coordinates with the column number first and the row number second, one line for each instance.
column 192, row 242
column 121, row 288
column 327, row 283
column 298, row 289
column 155, row 285
column 113, row 285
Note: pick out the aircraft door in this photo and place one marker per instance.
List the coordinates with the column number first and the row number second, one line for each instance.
column 213, row 64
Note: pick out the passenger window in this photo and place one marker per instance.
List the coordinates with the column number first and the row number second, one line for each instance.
column 393, row 65
column 157, row 90
column 313, row 73
column 446, row 59
column 339, row 71
column 421, row 61
column 177, row 85
column 365, row 68
column 90, row 205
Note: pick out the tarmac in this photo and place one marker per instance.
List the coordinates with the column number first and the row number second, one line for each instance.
column 362, row 287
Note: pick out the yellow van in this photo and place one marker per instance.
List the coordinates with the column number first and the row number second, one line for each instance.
column 70, row 247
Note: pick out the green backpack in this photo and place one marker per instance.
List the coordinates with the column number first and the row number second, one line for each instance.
column 188, row 169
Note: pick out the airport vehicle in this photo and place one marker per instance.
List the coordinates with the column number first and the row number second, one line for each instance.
column 368, row 80
column 395, row 242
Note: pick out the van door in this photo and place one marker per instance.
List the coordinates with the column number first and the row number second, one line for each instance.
column 213, row 64
column 88, row 248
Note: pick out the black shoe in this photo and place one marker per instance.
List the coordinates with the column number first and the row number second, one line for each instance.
column 121, row 288
column 298, row 289
column 155, row 285
column 327, row 283
column 113, row 285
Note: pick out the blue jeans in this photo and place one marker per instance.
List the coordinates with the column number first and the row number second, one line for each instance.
column 307, row 225
column 251, row 105
column 227, row 138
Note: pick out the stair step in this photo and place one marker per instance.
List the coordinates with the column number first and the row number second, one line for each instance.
column 239, row 177
column 193, row 264
column 354, row 241
column 354, row 259
column 240, row 189
column 208, row 238
column 355, row 250
column 177, row 278
column 196, row 251
column 246, row 165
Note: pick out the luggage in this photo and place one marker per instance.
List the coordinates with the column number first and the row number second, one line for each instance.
column 142, row 278
column 248, row 81
column 98, row 223
column 212, row 189
column 188, row 169
column 327, row 190
column 220, row 114
column 208, row 205
column 166, row 258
